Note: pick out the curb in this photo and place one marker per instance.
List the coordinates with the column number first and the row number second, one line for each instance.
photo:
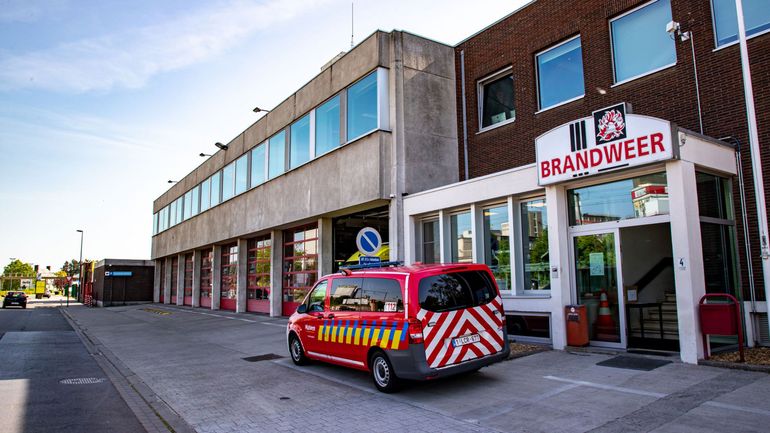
column 153, row 413
column 736, row 366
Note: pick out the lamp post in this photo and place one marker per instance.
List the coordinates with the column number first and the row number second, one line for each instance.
column 80, row 269
column 754, row 146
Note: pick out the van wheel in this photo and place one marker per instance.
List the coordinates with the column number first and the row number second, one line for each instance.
column 382, row 373
column 296, row 351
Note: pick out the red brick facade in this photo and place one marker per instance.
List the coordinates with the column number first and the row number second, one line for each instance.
column 668, row 94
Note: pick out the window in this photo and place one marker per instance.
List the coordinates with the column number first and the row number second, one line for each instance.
column 462, row 237
column 229, row 269
column 188, row 204
column 228, row 182
column 431, row 247
column 528, row 326
column 560, row 74
column 242, row 174
column 638, row 197
column 299, row 150
column 345, row 294
column 447, row 292
column 327, row 126
column 194, row 200
column 717, row 226
column 163, row 219
column 362, row 107
column 277, row 155
column 640, row 43
column 497, row 248
column 315, row 301
column 382, row 295
column 155, row 223
column 496, row 99
column 258, row 275
column 258, row 165
column 534, row 240
column 179, row 209
column 300, row 262
column 205, row 194
column 175, row 214
column 215, row 188
column 756, row 16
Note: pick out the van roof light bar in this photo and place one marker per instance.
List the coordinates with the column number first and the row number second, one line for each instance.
column 370, row 266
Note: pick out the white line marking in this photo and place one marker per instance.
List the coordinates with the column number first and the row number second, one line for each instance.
column 273, row 324
column 608, row 387
column 738, row 408
column 248, row 320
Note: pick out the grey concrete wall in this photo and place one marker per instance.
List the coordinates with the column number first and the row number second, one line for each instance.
column 365, row 57
column 167, row 281
column 242, row 280
column 156, row 282
column 276, row 273
column 179, row 279
column 196, row 287
column 344, row 178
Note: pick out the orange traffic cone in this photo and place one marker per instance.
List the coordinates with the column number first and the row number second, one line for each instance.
column 604, row 324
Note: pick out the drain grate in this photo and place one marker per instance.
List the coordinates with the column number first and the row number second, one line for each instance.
column 265, row 357
column 82, row 381
column 634, row 363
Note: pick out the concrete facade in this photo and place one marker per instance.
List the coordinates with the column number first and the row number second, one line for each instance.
column 412, row 149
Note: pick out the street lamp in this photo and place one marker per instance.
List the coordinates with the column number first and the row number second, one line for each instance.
column 170, row 181
column 204, row 154
column 221, row 146
column 80, row 268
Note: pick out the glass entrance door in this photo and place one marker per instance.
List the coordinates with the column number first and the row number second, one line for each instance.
column 597, row 282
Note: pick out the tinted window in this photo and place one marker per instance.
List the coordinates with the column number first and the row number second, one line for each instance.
column 640, row 42
column 457, row 290
column 228, row 182
column 560, row 73
column 497, row 101
column 756, row 16
column 315, row 300
column 345, row 294
column 381, row 295
column 299, row 150
column 327, row 126
column 362, row 107
column 276, row 155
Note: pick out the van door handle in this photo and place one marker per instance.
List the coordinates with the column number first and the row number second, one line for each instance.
column 330, row 316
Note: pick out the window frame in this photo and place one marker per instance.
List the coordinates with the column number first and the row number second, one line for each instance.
column 717, row 46
column 480, row 98
column 541, row 109
column 612, row 48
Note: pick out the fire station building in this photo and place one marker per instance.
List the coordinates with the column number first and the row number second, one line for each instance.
column 253, row 227
column 590, row 152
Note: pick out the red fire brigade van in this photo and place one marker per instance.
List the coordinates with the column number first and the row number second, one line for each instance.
column 406, row 322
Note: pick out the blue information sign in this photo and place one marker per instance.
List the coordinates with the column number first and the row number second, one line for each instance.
column 369, row 260
column 118, row 274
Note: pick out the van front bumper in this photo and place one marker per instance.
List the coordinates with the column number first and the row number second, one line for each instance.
column 411, row 363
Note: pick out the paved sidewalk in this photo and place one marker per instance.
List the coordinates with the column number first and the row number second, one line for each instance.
column 193, row 360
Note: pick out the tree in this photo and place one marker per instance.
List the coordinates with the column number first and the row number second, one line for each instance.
column 17, row 268
column 71, row 267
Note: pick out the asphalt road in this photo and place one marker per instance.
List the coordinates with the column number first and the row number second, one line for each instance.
column 39, row 350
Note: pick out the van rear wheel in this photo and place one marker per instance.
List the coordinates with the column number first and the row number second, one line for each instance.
column 384, row 377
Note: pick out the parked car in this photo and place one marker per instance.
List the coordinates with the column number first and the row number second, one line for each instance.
column 413, row 322
column 15, row 298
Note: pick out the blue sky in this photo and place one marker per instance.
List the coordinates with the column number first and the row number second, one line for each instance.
column 102, row 102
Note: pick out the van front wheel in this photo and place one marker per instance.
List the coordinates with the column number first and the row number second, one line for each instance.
column 297, row 353
column 382, row 373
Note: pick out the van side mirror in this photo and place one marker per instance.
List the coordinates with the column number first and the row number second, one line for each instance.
column 302, row 309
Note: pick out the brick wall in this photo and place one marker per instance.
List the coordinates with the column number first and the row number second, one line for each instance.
column 668, row 94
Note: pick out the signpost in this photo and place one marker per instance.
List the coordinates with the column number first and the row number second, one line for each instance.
column 368, row 242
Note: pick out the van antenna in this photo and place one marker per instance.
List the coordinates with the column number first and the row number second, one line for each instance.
column 351, row 25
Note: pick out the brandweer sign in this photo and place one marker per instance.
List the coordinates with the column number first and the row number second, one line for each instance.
column 607, row 141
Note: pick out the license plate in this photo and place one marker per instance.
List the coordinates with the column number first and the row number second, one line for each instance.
column 466, row 339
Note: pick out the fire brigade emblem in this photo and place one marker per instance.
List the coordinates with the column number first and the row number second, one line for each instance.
column 610, row 124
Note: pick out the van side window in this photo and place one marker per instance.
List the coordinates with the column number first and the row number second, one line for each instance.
column 315, row 301
column 456, row 290
column 381, row 295
column 345, row 294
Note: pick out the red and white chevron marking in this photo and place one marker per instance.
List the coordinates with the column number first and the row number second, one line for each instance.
column 480, row 320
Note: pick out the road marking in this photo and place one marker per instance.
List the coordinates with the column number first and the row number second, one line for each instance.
column 738, row 408
column 274, row 324
column 608, row 387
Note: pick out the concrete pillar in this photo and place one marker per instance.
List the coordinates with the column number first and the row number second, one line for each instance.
column 156, row 282
column 558, row 252
column 445, row 236
column 477, row 235
column 196, row 284
column 242, row 274
column 325, row 244
column 179, row 279
column 216, row 277
column 688, row 256
column 276, row 273
column 167, row 282
column 411, row 240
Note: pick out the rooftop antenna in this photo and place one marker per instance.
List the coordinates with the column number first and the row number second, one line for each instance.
column 351, row 25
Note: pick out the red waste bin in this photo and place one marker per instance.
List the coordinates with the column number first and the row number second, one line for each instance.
column 577, row 325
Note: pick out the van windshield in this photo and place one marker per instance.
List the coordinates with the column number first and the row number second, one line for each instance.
column 456, row 290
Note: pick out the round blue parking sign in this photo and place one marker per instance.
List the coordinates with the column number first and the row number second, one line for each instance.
column 368, row 241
